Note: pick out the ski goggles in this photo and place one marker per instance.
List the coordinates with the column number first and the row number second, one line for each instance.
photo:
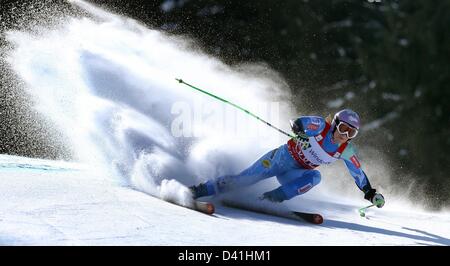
column 343, row 128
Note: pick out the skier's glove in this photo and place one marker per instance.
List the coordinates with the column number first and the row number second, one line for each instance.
column 297, row 128
column 374, row 197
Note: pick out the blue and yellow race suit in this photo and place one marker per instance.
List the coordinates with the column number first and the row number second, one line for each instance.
column 294, row 163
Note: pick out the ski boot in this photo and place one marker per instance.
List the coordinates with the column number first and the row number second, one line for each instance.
column 202, row 190
column 275, row 196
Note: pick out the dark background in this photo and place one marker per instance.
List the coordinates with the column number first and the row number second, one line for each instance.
column 389, row 61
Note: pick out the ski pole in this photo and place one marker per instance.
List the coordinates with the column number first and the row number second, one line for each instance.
column 237, row 106
column 362, row 211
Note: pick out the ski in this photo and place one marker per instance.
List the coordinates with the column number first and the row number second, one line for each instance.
column 195, row 205
column 200, row 206
column 314, row 218
column 204, row 207
column 276, row 210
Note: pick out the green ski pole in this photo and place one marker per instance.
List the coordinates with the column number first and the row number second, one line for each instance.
column 362, row 211
column 237, row 106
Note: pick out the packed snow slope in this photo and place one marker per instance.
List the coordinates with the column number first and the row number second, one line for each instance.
column 56, row 203
column 107, row 83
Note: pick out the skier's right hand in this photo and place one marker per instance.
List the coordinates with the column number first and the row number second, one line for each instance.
column 297, row 127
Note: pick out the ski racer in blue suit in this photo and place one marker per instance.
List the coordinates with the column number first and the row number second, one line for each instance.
column 319, row 141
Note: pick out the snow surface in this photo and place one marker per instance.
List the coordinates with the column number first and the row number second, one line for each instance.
column 108, row 86
column 58, row 203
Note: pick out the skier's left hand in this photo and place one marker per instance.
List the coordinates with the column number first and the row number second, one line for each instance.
column 378, row 200
column 374, row 197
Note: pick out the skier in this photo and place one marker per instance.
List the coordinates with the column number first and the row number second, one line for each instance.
column 318, row 141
